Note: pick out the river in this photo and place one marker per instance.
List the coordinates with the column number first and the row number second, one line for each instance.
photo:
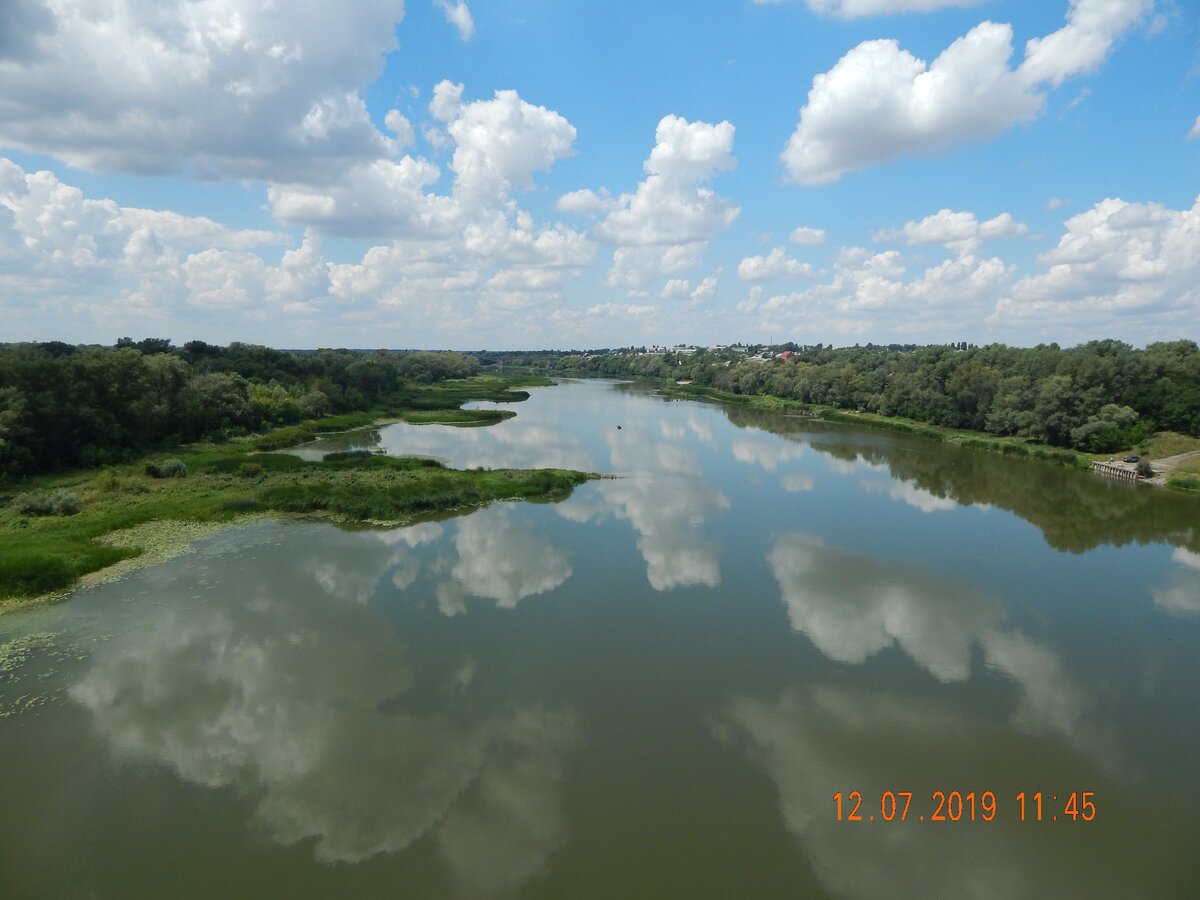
column 655, row 688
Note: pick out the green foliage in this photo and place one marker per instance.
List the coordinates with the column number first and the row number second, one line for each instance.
column 1144, row 469
column 1184, row 482
column 1100, row 397
column 32, row 573
column 171, row 468
column 48, row 552
column 64, row 407
column 58, row 503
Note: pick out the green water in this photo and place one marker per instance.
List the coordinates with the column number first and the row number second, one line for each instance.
column 652, row 689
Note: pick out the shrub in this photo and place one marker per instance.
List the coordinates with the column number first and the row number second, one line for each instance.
column 171, row 468
column 60, row 503
column 107, row 481
column 250, row 470
column 1144, row 469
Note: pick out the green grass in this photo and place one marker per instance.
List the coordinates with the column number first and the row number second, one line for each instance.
column 1163, row 444
column 1184, row 482
column 460, row 417
column 225, row 481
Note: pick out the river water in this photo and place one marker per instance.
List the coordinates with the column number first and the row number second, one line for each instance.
column 655, row 688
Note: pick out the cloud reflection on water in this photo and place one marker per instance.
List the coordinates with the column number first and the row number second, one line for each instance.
column 277, row 688
column 815, row 740
column 665, row 497
column 853, row 607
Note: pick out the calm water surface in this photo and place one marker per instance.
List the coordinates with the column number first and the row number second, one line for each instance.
column 652, row 689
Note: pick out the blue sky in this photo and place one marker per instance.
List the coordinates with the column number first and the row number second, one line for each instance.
column 526, row 174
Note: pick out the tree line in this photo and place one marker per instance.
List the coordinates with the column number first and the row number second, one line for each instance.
column 1098, row 397
column 65, row 406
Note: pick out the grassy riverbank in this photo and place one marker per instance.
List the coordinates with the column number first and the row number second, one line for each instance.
column 44, row 554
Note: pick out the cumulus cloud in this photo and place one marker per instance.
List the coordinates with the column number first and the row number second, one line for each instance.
column 958, row 231
column 1082, row 45
column 1137, row 263
column 875, row 293
column 458, row 15
column 880, row 102
column 472, row 249
column 774, row 265
column 664, row 226
column 219, row 88
column 807, row 237
column 62, row 247
column 861, row 9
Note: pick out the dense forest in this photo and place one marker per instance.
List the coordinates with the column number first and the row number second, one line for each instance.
column 1098, row 397
column 64, row 406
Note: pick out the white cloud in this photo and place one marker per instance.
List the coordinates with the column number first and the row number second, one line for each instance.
column 1195, row 130
column 398, row 125
column 1082, row 45
column 586, row 202
column 499, row 143
column 382, row 198
column 860, row 9
column 458, row 15
column 961, row 232
column 875, row 294
column 220, row 88
column 664, row 226
column 880, row 102
column 774, row 265
column 1119, row 262
column 807, row 237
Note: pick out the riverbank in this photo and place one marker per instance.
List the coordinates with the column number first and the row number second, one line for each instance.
column 125, row 515
column 1162, row 445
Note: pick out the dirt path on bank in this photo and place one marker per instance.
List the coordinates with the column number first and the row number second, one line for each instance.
column 1170, row 463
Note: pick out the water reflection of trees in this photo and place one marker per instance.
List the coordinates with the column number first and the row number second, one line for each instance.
column 1076, row 511
column 290, row 689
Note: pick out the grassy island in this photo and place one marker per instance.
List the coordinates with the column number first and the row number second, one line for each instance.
column 60, row 527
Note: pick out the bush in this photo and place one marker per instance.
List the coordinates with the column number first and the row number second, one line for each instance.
column 60, row 503
column 1144, row 469
column 107, row 481
column 171, row 468
column 250, row 470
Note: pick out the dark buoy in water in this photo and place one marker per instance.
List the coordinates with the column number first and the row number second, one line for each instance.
column 618, row 428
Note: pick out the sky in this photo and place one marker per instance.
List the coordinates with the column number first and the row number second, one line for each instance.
column 524, row 174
